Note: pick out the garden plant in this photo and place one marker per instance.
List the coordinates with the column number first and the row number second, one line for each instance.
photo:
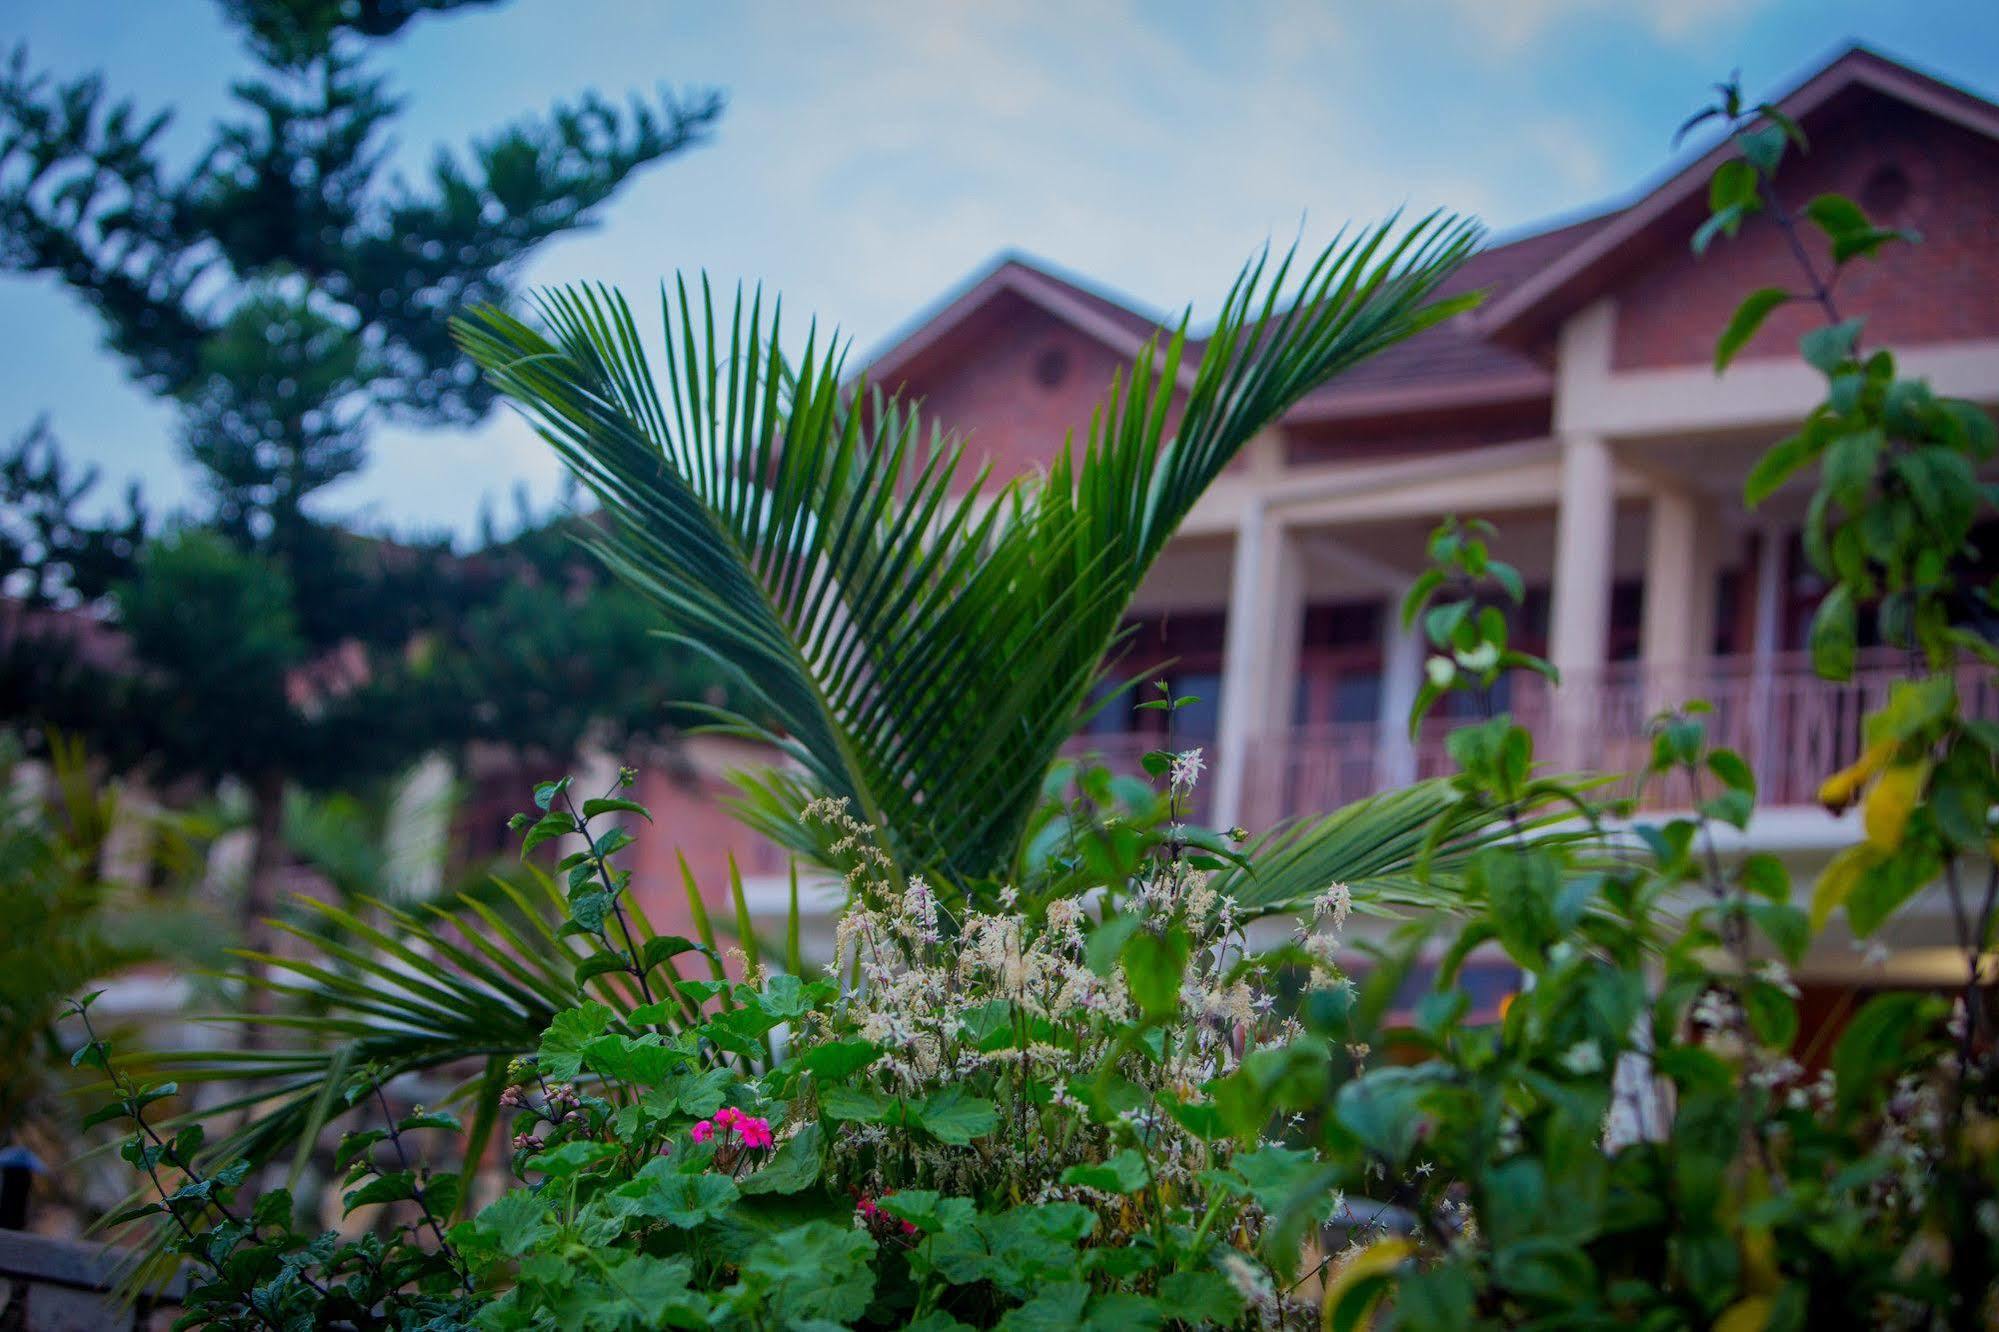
column 1053, row 1076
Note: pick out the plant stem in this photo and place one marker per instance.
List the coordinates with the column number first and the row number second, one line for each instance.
column 617, row 910
column 417, row 1192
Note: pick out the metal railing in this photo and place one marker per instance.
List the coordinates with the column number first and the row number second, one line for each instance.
column 1793, row 727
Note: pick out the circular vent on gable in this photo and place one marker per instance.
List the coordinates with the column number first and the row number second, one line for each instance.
column 1886, row 193
column 1051, row 366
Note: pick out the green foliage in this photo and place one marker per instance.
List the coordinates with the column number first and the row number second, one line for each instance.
column 1046, row 1080
column 70, row 915
column 282, row 292
column 972, row 623
column 258, row 1269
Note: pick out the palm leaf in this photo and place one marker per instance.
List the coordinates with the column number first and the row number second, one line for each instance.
column 912, row 641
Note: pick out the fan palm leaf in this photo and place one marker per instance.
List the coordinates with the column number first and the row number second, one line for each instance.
column 911, row 640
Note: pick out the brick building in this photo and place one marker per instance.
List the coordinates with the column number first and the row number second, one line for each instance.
column 1577, row 408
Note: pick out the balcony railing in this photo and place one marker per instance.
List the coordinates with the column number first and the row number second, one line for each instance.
column 1792, row 726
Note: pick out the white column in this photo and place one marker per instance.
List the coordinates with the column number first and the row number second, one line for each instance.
column 1584, row 529
column 1401, row 672
column 1678, row 632
column 1772, row 543
column 1259, row 653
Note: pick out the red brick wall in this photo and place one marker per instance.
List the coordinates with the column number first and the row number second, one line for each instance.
column 689, row 819
column 994, row 395
column 1944, row 289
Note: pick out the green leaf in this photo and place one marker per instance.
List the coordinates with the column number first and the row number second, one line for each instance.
column 1733, row 185
column 1785, row 926
column 1763, row 147
column 355, row 1144
column 661, row 1192
column 819, row 1270
column 1732, row 769
column 1154, row 967
column 589, row 909
column 856, row 1104
column 1384, row 1110
column 1056, row 1307
column 1772, row 1015
column 663, row 946
column 794, row 1168
column 1850, row 463
column 1744, row 323
column 599, row 963
column 1201, row 1298
column 561, row 1052
column 1123, row 1172
column 657, row 1288
column 1106, row 942
column 785, row 997
column 1763, row 875
column 1837, row 216
column 1877, row 1041
column 381, row 1189
column 610, row 805
column 955, row 1116
column 1779, row 463
column 431, row 1119
column 1827, row 348
column 928, row 1210
column 571, row 1158
column 1725, row 222
column 514, row 1222
column 547, row 829
column 1520, row 887
column 839, row 1059
column 1835, row 635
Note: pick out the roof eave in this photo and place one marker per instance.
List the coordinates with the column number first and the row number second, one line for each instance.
column 1523, row 312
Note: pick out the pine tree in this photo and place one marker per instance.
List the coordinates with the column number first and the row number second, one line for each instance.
column 289, row 293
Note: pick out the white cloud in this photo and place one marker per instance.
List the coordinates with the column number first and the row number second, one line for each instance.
column 1511, row 26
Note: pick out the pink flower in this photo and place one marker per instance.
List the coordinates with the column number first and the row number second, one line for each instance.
column 755, row 1131
column 728, row 1116
column 702, row 1131
column 868, row 1209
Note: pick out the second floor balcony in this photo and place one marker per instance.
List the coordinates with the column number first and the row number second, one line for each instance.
column 1793, row 727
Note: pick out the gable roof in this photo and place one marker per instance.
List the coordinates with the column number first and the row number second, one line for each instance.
column 1453, row 364
column 1578, row 272
column 1484, row 358
column 1118, row 324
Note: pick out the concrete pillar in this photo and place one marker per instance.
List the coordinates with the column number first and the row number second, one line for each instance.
column 1772, row 543
column 1585, row 527
column 1678, row 633
column 1401, row 676
column 1266, row 623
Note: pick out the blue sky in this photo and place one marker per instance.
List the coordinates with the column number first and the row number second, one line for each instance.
column 874, row 155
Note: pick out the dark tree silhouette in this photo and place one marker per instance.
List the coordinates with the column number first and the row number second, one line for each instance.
column 289, row 292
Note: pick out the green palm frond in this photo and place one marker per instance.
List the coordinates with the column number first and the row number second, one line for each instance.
column 920, row 643
column 1390, row 850
column 448, row 992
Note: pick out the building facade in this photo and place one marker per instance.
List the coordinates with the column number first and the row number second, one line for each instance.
column 1576, row 408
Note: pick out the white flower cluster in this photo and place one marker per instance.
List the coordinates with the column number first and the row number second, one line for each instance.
column 1004, row 1004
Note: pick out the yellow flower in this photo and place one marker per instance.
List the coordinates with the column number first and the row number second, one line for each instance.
column 1840, row 790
